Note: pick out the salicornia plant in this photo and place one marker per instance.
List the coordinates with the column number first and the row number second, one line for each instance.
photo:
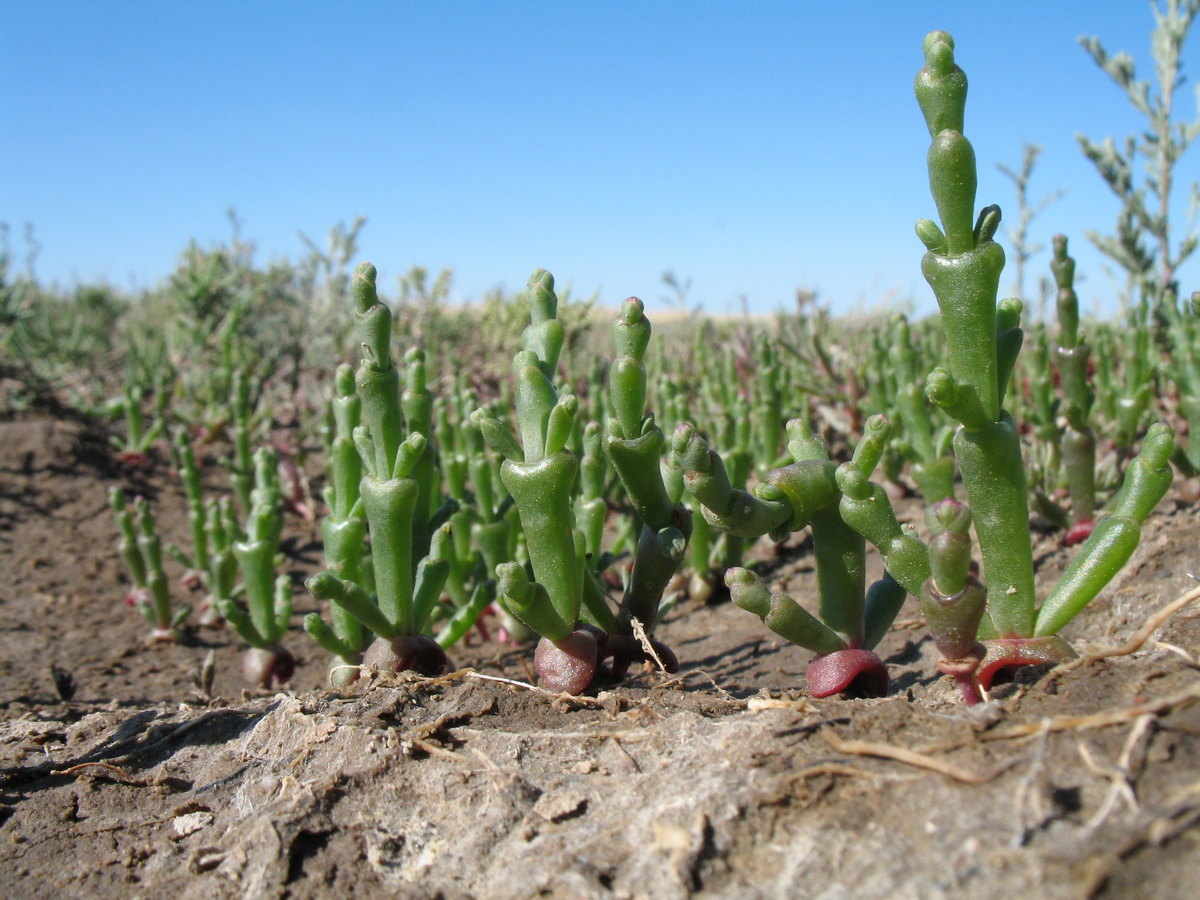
column 214, row 527
column 540, row 473
column 134, row 447
column 1078, row 442
column 141, row 549
column 634, row 444
column 564, row 602
column 397, row 493
column 983, row 337
column 343, row 531
column 963, row 266
column 268, row 599
column 851, row 620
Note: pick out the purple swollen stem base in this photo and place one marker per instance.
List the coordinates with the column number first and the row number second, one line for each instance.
column 574, row 664
column 1005, row 655
column 408, row 652
column 267, row 667
column 567, row 666
column 855, row 673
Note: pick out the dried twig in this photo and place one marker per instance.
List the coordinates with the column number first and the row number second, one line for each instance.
column 912, row 758
column 1119, row 775
column 431, row 749
column 1096, row 720
column 571, row 698
column 121, row 775
column 640, row 734
column 1138, row 639
column 1135, row 642
column 639, row 633
column 758, row 704
column 1190, row 660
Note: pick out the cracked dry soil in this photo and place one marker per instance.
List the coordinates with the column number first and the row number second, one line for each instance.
column 723, row 782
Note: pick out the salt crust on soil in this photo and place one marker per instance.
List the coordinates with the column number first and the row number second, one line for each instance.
column 725, row 782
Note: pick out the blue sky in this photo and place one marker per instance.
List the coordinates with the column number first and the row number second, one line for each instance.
column 751, row 147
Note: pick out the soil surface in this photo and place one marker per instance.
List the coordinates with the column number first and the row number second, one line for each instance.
column 723, row 781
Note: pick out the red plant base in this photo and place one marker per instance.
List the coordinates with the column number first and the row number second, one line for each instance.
column 855, row 673
column 567, row 666
column 1078, row 533
column 408, row 652
column 135, row 459
column 575, row 663
column 1007, row 654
